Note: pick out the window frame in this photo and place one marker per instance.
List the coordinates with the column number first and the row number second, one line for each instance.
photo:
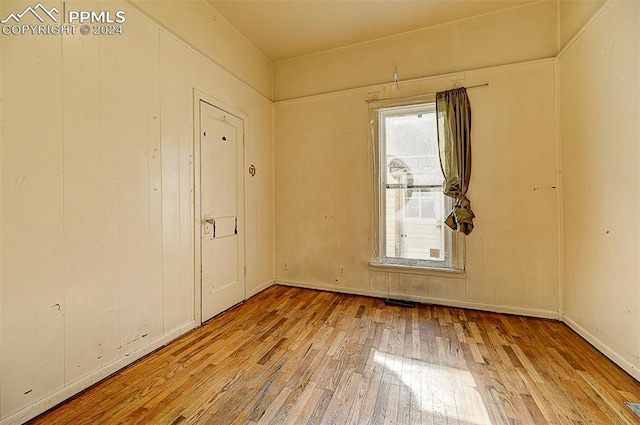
column 453, row 242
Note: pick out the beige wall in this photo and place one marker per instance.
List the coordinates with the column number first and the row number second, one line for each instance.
column 201, row 26
column 325, row 189
column 1, row 234
column 599, row 79
column 96, row 222
column 509, row 36
column 96, row 159
column 324, row 180
column 573, row 15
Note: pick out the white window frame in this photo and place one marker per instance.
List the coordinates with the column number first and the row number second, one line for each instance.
column 453, row 241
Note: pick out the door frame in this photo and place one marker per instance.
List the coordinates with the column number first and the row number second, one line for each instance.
column 198, row 97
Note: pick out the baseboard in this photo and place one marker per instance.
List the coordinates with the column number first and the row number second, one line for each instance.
column 258, row 289
column 52, row 400
column 74, row 388
column 494, row 308
column 626, row 365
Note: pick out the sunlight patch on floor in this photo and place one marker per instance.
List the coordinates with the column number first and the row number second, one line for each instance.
column 444, row 392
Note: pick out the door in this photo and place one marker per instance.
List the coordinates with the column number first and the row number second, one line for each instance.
column 423, row 234
column 221, row 210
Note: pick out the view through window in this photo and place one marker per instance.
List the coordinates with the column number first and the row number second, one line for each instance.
column 412, row 201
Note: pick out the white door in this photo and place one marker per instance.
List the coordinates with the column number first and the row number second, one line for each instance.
column 221, row 210
column 423, row 234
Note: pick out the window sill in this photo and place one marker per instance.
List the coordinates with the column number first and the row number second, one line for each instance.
column 416, row 269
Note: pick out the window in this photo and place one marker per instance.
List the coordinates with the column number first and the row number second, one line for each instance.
column 412, row 205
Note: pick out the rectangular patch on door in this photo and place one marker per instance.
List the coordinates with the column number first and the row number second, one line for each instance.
column 225, row 227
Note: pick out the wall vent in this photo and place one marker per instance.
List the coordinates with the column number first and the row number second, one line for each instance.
column 634, row 406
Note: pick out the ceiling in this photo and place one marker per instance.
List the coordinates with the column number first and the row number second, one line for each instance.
column 283, row 29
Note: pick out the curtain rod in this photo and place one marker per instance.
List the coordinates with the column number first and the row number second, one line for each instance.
column 419, row 95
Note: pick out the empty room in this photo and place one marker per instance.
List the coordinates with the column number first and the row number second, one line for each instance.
column 320, row 212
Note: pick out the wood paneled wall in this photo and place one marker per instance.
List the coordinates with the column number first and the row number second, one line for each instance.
column 512, row 35
column 599, row 79
column 97, row 201
column 325, row 195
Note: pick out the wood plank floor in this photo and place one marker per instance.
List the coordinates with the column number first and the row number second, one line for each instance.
column 295, row 356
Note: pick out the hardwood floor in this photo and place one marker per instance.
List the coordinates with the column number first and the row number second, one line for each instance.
column 295, row 356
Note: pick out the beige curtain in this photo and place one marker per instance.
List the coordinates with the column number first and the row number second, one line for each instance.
column 454, row 140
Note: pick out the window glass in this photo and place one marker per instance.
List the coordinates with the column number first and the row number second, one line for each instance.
column 411, row 189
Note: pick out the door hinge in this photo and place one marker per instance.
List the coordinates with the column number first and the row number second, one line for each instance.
column 245, row 271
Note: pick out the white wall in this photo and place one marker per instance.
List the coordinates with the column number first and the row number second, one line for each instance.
column 508, row 36
column 201, row 26
column 96, row 225
column 573, row 15
column 599, row 78
column 97, row 229
column 1, row 313
column 324, row 186
column 324, row 194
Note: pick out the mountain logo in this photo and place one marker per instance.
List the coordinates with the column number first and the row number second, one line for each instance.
column 39, row 11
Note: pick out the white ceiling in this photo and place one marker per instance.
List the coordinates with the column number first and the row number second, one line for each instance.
column 283, row 29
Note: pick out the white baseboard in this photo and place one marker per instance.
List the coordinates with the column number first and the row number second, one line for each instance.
column 626, row 365
column 74, row 388
column 50, row 401
column 259, row 288
column 544, row 314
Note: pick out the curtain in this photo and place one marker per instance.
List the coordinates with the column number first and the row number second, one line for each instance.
column 453, row 112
